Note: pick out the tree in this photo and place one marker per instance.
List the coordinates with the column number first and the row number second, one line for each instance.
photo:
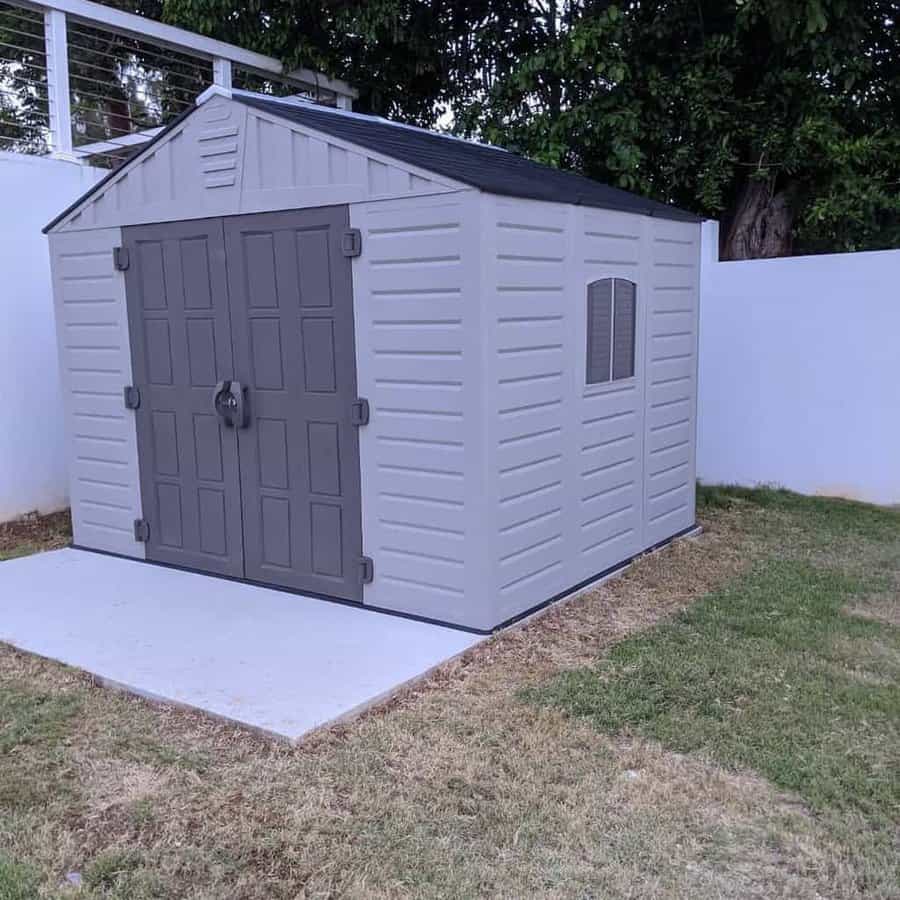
column 408, row 58
column 23, row 86
column 781, row 117
column 117, row 84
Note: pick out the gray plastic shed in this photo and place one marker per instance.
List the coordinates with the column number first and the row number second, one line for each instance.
column 325, row 352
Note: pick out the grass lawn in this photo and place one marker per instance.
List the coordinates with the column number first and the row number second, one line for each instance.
column 722, row 721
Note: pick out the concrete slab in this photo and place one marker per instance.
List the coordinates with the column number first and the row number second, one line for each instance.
column 278, row 662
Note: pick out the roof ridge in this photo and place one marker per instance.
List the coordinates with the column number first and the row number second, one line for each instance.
column 314, row 107
column 470, row 162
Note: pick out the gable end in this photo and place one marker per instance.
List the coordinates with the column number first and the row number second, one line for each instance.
column 226, row 158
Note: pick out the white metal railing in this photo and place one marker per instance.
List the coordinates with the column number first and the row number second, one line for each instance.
column 80, row 80
column 24, row 100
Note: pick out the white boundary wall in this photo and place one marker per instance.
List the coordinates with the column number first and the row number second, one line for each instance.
column 33, row 468
column 800, row 372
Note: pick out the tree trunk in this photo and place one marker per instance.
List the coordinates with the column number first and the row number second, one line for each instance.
column 761, row 227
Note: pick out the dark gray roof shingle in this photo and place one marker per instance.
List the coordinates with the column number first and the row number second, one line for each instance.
column 479, row 165
column 482, row 166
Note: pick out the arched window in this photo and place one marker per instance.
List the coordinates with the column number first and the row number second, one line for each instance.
column 611, row 317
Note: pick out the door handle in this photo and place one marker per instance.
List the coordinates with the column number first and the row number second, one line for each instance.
column 221, row 401
column 240, row 416
column 230, row 403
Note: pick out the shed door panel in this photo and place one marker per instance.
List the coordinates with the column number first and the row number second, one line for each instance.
column 292, row 315
column 181, row 346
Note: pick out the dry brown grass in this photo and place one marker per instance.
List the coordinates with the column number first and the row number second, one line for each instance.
column 33, row 533
column 883, row 608
column 455, row 789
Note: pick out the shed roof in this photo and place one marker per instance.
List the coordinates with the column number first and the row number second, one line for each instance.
column 488, row 168
column 483, row 166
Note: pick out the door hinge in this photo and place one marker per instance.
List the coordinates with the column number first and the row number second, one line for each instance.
column 132, row 397
column 366, row 570
column 141, row 530
column 351, row 242
column 121, row 258
column 359, row 412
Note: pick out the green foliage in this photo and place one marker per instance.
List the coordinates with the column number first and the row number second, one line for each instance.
column 117, row 84
column 409, row 59
column 688, row 101
column 23, row 89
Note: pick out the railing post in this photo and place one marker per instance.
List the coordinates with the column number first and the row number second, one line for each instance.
column 60, row 109
column 222, row 72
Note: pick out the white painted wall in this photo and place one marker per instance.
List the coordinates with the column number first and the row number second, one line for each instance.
column 32, row 452
column 799, row 371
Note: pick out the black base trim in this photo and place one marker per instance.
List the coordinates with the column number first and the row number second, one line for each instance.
column 393, row 612
column 583, row 584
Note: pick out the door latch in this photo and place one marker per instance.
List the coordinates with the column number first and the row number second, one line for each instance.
column 366, row 570
column 121, row 258
column 141, row 530
column 359, row 412
column 351, row 242
column 132, row 397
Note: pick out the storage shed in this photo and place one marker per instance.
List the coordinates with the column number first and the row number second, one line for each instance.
column 322, row 351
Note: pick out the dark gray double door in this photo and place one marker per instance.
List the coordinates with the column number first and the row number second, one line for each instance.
column 243, row 354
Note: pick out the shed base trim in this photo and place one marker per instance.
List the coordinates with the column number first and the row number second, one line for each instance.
column 513, row 620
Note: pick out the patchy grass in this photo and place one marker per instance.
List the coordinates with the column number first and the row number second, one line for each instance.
column 17, row 882
column 461, row 788
column 29, row 717
column 33, row 533
column 791, row 669
column 765, row 674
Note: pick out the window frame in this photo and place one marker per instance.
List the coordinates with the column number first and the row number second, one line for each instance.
column 611, row 385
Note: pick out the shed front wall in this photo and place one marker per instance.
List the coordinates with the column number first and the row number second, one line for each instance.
column 420, row 362
column 95, row 365
column 493, row 477
column 581, row 477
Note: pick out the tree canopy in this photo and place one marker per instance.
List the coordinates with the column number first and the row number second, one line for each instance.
column 781, row 118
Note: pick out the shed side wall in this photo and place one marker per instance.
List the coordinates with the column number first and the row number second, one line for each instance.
column 565, row 458
column 671, row 376
column 529, row 386
column 95, row 366
column 567, row 461
column 418, row 306
column 611, row 416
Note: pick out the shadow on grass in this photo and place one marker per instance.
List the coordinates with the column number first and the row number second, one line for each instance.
column 773, row 673
column 760, row 675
